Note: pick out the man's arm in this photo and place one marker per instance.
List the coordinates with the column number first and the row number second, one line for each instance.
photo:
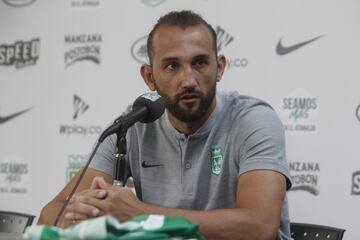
column 260, row 194
column 51, row 209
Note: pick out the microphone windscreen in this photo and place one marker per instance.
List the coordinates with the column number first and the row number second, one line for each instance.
column 154, row 103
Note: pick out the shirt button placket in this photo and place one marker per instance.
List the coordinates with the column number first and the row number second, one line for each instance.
column 187, row 171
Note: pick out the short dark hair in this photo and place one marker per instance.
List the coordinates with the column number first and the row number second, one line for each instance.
column 182, row 19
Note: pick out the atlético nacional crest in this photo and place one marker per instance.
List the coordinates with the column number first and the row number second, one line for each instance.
column 216, row 158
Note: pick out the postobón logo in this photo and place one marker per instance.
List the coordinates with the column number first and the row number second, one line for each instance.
column 18, row 3
column 20, row 54
column 13, row 175
column 85, row 3
column 153, row 3
column 139, row 50
column 224, row 39
column 357, row 112
column 355, row 189
column 300, row 111
column 79, row 108
column 82, row 47
column 75, row 161
column 304, row 176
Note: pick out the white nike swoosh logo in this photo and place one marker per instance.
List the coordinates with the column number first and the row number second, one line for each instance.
column 282, row 50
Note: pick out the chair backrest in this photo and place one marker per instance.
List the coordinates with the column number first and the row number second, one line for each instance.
column 14, row 222
column 306, row 231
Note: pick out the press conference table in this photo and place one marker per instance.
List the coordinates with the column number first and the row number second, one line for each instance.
column 10, row 236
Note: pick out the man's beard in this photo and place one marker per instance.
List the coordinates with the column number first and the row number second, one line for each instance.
column 189, row 114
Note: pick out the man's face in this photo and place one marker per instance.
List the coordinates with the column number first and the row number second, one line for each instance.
column 184, row 70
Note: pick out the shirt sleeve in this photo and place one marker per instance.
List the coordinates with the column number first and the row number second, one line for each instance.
column 104, row 157
column 263, row 144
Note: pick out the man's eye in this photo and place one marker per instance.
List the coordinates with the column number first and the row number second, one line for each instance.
column 171, row 66
column 200, row 63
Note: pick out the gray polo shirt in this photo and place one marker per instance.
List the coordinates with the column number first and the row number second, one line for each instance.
column 201, row 171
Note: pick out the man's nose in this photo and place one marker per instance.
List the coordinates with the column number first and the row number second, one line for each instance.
column 188, row 77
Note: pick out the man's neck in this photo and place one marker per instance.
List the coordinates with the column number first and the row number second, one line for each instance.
column 188, row 128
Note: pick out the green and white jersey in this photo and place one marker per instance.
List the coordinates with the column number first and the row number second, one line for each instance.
column 144, row 227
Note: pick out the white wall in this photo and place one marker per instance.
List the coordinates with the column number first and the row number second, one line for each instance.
column 323, row 76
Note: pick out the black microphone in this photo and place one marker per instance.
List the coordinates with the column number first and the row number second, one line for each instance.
column 146, row 108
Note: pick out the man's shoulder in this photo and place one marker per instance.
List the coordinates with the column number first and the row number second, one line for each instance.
column 239, row 102
column 247, row 112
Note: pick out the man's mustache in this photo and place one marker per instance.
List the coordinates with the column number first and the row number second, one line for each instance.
column 189, row 93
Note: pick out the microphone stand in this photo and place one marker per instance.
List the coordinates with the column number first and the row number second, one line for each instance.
column 120, row 173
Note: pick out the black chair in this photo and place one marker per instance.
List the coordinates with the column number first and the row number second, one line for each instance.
column 14, row 222
column 306, row 231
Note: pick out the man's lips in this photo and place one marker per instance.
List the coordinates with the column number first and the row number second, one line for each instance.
column 189, row 98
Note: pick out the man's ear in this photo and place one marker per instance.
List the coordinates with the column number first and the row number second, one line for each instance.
column 221, row 67
column 146, row 73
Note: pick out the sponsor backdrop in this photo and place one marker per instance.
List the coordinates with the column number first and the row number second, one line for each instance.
column 69, row 67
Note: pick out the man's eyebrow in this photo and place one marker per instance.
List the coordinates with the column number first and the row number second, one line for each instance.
column 202, row 56
column 169, row 59
column 175, row 59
